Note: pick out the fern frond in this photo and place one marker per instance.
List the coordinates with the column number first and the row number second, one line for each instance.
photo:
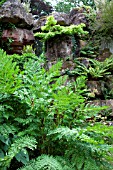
column 9, row 74
column 43, row 162
column 20, row 144
column 6, row 129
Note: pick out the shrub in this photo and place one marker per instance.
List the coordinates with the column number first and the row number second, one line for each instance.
column 47, row 119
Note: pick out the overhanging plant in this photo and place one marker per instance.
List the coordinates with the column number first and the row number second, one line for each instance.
column 51, row 29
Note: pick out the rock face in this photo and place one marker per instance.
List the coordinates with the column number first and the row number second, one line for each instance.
column 59, row 46
column 19, row 38
column 62, row 46
column 95, row 87
column 39, row 8
column 77, row 16
column 13, row 11
column 62, row 18
column 19, row 34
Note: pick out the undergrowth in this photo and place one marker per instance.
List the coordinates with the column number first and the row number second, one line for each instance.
column 44, row 119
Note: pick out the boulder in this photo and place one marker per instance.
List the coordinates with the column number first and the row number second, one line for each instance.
column 62, row 19
column 40, row 8
column 12, row 11
column 59, row 47
column 95, row 88
column 18, row 38
column 77, row 16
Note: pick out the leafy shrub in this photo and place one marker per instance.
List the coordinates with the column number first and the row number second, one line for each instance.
column 104, row 22
column 46, row 118
column 51, row 29
column 49, row 162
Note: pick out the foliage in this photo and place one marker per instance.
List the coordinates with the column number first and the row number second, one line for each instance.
column 26, row 5
column 96, row 69
column 46, row 119
column 89, row 50
column 46, row 162
column 18, row 150
column 22, row 59
column 83, row 155
column 66, row 6
column 2, row 1
column 28, row 49
column 51, row 29
column 9, row 80
column 104, row 22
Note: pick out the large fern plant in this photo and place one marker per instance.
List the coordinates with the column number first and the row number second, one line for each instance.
column 44, row 116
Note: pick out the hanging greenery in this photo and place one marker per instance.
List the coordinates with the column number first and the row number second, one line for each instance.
column 51, row 29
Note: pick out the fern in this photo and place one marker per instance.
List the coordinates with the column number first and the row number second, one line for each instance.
column 6, row 129
column 96, row 69
column 2, row 2
column 18, row 145
column 44, row 162
column 10, row 80
column 85, row 147
column 49, row 115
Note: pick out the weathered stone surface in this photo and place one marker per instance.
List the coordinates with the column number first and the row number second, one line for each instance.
column 107, row 43
column 108, row 103
column 39, row 23
column 12, row 11
column 61, row 17
column 95, row 87
column 84, row 61
column 59, row 47
column 109, row 82
column 40, row 8
column 82, row 43
column 19, row 38
column 77, row 16
column 105, row 53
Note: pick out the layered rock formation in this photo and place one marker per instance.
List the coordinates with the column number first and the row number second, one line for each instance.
column 17, row 24
column 62, row 46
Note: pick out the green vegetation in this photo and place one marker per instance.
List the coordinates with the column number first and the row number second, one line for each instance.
column 47, row 120
column 96, row 69
column 44, row 125
column 2, row 1
column 51, row 29
column 66, row 6
column 104, row 22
